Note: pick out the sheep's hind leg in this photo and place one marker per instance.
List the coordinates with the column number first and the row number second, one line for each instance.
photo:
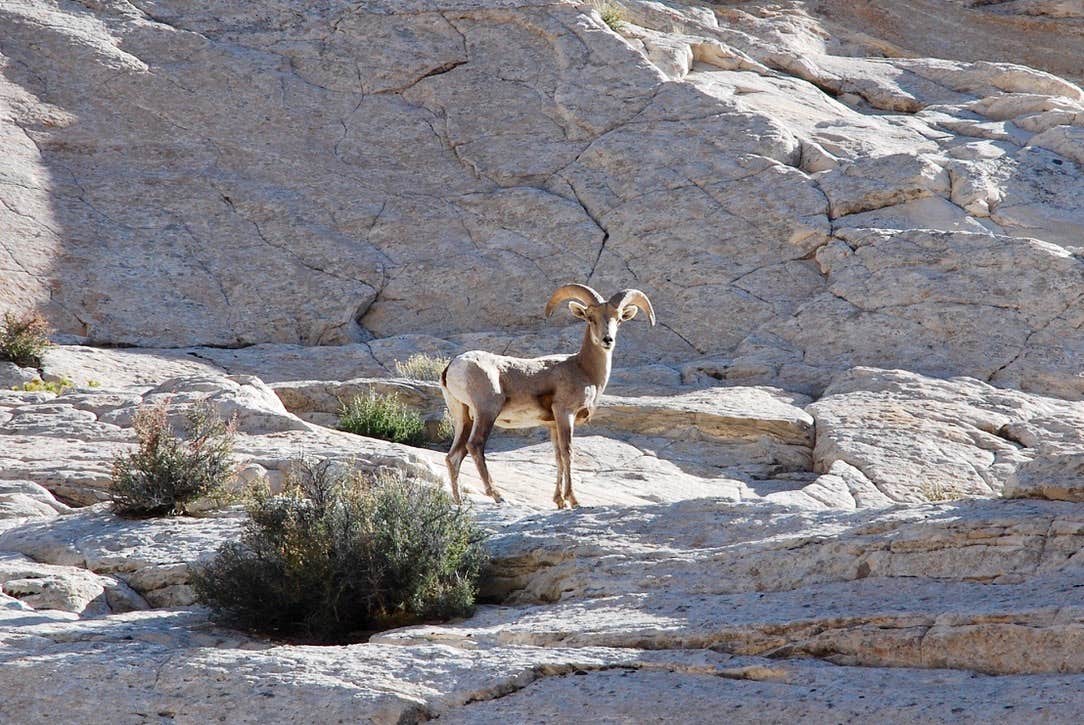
column 476, row 445
column 462, row 422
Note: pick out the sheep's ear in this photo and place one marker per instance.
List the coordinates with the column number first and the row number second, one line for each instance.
column 628, row 313
column 577, row 310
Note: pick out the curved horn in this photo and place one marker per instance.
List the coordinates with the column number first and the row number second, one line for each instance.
column 636, row 298
column 579, row 292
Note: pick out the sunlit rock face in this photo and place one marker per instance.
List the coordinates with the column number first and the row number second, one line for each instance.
column 847, row 461
column 228, row 173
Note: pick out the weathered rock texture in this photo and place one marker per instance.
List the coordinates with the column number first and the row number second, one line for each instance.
column 225, row 173
column 733, row 535
column 860, row 224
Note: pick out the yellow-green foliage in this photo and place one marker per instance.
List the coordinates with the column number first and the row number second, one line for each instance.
column 612, row 15
column 421, row 367
column 23, row 338
column 37, row 385
column 340, row 553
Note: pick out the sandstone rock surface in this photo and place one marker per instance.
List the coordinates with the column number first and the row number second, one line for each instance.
column 839, row 481
column 738, row 535
column 697, row 155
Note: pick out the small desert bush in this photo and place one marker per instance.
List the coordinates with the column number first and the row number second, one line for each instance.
column 421, row 367
column 612, row 15
column 383, row 416
column 167, row 473
column 23, row 338
column 340, row 553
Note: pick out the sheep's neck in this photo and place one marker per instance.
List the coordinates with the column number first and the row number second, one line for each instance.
column 595, row 361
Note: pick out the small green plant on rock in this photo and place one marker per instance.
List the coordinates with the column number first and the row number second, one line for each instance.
column 340, row 553
column 167, row 473
column 23, row 338
column 422, row 367
column 612, row 15
column 382, row 416
column 56, row 387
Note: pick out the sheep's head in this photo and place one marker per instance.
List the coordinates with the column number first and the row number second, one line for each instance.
column 602, row 316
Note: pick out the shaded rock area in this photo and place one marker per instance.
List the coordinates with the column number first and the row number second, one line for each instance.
column 839, row 481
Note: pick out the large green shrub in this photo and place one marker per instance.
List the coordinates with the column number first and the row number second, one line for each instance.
column 23, row 338
column 167, row 473
column 382, row 416
column 339, row 554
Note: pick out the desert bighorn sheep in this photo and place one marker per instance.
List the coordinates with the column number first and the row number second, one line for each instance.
column 483, row 389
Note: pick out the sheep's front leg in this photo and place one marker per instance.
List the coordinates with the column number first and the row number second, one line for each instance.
column 565, row 423
column 558, row 495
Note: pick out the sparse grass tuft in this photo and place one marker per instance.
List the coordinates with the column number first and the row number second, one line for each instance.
column 936, row 492
column 339, row 554
column 422, row 367
column 445, row 429
column 166, row 473
column 23, row 338
column 382, row 416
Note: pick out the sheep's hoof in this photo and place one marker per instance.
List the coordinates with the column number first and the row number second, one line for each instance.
column 497, row 498
column 560, row 503
column 572, row 502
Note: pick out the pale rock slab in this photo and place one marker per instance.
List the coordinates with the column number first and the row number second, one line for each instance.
column 901, row 295
column 930, row 212
column 13, row 376
column 1034, row 196
column 26, row 499
column 842, row 487
column 153, row 556
column 76, row 471
column 723, row 413
column 918, row 438
column 971, row 585
column 1058, row 476
column 756, row 690
column 868, row 184
column 119, row 368
column 673, row 56
column 65, row 588
column 831, row 132
column 247, row 401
